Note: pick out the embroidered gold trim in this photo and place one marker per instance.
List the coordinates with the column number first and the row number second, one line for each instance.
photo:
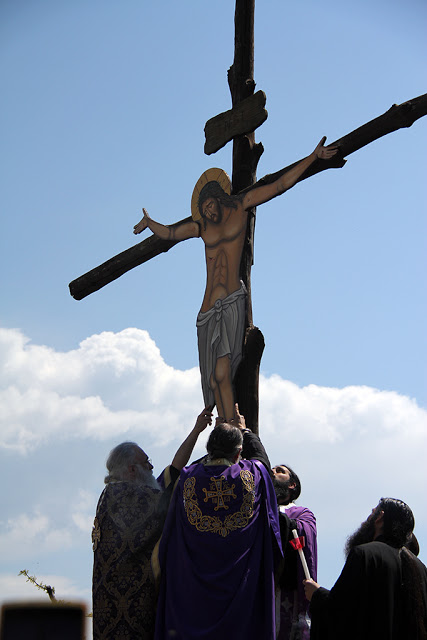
column 217, row 462
column 214, row 524
column 96, row 534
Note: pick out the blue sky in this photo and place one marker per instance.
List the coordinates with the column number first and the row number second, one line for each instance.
column 103, row 110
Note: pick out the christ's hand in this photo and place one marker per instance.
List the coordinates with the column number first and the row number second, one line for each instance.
column 324, row 153
column 142, row 224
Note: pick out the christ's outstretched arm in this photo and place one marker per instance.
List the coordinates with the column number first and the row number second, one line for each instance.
column 166, row 232
column 265, row 193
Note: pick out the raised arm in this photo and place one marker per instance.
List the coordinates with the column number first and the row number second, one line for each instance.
column 165, row 232
column 265, row 193
column 252, row 449
column 184, row 452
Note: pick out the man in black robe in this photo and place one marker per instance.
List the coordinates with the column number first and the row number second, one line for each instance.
column 381, row 593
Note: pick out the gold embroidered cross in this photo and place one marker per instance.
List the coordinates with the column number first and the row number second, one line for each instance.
column 96, row 534
column 219, row 493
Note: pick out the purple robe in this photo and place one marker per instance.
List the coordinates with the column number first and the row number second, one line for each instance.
column 294, row 617
column 217, row 555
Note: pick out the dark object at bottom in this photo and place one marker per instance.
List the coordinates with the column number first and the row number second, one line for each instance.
column 40, row 621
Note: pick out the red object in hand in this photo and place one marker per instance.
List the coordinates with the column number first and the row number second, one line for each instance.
column 298, row 543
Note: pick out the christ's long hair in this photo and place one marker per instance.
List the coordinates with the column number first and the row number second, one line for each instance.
column 213, row 189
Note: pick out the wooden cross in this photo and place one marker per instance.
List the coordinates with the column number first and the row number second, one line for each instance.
column 239, row 124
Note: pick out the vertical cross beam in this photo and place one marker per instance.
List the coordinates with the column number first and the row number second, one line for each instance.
column 246, row 154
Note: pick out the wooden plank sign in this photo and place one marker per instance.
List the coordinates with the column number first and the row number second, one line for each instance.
column 247, row 116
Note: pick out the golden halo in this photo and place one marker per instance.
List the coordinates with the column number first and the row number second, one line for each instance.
column 210, row 175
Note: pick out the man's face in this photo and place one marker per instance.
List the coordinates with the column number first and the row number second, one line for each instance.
column 142, row 471
column 144, row 461
column 365, row 533
column 211, row 210
column 282, row 483
column 281, row 472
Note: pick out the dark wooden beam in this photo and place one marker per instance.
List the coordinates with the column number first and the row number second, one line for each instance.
column 244, row 118
column 115, row 267
column 397, row 117
column 246, row 154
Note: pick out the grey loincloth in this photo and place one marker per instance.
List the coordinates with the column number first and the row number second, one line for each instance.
column 220, row 333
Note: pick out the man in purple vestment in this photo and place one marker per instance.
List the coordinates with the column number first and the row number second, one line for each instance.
column 220, row 544
column 294, row 616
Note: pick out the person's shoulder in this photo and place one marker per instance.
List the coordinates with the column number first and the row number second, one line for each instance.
column 128, row 490
column 238, row 199
column 192, row 470
column 421, row 566
column 252, row 465
column 298, row 509
column 115, row 492
column 375, row 548
column 297, row 512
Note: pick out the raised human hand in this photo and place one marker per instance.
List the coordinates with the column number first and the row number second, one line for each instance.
column 238, row 420
column 324, row 153
column 203, row 419
column 142, row 224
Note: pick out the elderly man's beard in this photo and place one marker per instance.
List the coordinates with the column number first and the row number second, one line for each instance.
column 281, row 488
column 145, row 477
column 365, row 533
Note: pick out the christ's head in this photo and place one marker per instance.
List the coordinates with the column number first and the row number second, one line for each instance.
column 211, row 201
column 212, row 210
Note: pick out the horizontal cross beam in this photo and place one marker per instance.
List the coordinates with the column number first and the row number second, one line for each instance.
column 397, row 117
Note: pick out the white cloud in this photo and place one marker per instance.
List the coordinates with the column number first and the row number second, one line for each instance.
column 25, row 534
column 115, row 382
column 349, row 445
column 110, row 384
column 324, row 414
column 82, row 512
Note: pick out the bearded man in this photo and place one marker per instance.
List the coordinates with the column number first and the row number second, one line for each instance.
column 129, row 520
column 293, row 604
column 381, row 593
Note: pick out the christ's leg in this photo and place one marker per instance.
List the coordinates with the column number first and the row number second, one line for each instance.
column 223, row 389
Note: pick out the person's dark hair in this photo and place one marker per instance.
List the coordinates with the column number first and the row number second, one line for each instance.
column 224, row 441
column 293, row 479
column 398, row 521
column 213, row 189
column 413, row 544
